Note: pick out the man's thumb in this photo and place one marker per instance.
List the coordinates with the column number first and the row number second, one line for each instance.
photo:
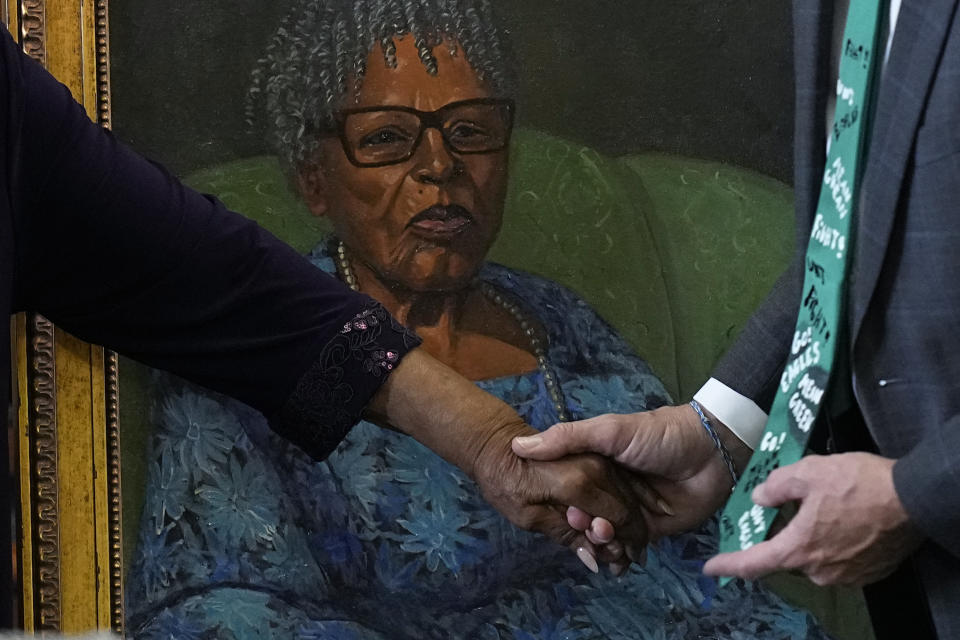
column 556, row 442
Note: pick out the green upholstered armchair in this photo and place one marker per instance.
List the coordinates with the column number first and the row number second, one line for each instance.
column 674, row 252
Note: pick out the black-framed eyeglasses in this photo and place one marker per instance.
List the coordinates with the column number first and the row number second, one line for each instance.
column 384, row 135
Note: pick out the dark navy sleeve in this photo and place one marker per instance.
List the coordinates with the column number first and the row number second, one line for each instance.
column 115, row 250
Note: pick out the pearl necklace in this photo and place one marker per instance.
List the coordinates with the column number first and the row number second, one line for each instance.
column 536, row 345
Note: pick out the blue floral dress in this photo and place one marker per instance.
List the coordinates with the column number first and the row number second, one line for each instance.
column 243, row 536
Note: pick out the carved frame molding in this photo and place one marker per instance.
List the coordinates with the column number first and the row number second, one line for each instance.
column 112, row 375
column 45, row 504
column 32, row 32
column 40, row 394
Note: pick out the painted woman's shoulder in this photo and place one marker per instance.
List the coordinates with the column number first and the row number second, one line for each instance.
column 539, row 294
column 572, row 324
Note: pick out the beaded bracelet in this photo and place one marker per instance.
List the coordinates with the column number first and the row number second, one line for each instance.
column 727, row 459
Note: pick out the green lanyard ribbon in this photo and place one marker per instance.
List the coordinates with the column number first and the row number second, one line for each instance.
column 817, row 341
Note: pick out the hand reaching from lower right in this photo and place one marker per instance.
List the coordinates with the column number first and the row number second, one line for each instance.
column 668, row 448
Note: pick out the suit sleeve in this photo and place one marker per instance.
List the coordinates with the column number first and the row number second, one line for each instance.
column 115, row 250
column 927, row 481
column 753, row 364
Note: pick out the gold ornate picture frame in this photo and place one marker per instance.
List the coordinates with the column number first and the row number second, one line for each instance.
column 70, row 562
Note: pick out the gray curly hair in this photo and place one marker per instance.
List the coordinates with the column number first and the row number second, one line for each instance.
column 323, row 45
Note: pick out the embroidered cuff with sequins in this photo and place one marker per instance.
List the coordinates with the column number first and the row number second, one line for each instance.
column 332, row 394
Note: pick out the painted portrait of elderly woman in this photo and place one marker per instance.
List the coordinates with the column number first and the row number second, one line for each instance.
column 393, row 121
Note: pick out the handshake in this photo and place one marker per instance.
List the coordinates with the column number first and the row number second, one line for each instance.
column 608, row 486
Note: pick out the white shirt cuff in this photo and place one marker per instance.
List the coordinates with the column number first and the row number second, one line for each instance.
column 738, row 413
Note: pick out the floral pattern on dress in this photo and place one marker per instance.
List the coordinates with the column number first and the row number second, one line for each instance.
column 384, row 539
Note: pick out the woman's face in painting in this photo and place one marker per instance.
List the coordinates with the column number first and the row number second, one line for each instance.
column 425, row 223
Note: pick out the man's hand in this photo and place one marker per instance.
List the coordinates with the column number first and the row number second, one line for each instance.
column 668, row 447
column 851, row 527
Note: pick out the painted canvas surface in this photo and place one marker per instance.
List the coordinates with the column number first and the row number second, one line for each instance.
column 576, row 204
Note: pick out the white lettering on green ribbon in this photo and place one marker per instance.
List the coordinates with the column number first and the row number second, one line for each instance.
column 844, row 92
column 829, row 237
column 798, row 365
column 814, row 348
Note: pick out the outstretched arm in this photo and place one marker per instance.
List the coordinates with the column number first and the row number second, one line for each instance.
column 116, row 250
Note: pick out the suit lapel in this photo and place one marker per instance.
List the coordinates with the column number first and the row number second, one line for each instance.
column 917, row 46
column 813, row 27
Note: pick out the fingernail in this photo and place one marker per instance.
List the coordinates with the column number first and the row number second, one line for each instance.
column 595, row 537
column 662, row 504
column 528, row 442
column 587, row 559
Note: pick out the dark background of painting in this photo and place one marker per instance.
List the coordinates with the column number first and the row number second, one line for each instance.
column 704, row 78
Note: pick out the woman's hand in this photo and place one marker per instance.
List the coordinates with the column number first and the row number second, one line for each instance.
column 473, row 430
column 535, row 495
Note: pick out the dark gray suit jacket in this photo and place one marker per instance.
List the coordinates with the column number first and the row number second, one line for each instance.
column 904, row 309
